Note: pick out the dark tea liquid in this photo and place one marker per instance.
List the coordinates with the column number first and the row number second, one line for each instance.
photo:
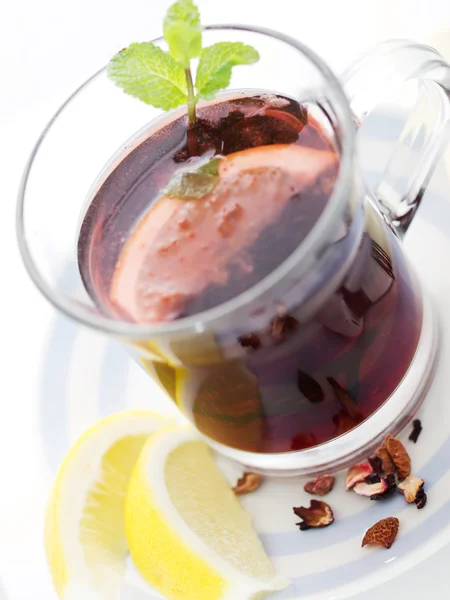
column 285, row 382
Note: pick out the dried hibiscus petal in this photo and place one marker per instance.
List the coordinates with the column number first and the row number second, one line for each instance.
column 310, row 388
column 319, row 514
column 301, row 441
column 421, row 499
column 377, row 465
column 357, row 473
column 390, row 489
column 320, row 486
column 382, row 533
column 249, row 482
column 417, row 429
column 345, row 399
column 345, row 423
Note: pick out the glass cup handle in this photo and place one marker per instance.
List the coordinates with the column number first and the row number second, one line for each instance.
column 426, row 131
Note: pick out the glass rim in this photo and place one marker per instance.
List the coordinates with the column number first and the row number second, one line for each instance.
column 200, row 321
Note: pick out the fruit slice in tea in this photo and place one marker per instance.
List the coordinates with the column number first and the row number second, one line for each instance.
column 183, row 246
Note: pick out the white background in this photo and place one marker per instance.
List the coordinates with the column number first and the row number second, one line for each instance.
column 48, row 47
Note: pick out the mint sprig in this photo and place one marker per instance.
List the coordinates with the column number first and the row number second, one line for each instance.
column 183, row 32
column 164, row 79
column 150, row 74
column 216, row 63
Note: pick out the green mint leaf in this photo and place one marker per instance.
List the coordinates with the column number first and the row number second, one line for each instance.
column 195, row 184
column 150, row 74
column 216, row 63
column 211, row 167
column 183, row 31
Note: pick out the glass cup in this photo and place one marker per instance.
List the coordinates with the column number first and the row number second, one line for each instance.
column 307, row 370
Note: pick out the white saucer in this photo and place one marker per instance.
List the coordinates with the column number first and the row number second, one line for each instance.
column 84, row 377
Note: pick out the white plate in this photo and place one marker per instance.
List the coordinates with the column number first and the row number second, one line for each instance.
column 84, row 377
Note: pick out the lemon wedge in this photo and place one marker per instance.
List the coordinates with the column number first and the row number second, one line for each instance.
column 188, row 535
column 84, row 530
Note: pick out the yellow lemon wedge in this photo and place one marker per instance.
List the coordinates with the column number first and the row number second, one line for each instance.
column 188, row 535
column 85, row 538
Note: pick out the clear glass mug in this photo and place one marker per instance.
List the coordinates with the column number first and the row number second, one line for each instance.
column 307, row 370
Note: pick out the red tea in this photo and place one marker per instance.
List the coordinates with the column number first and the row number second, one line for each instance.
column 314, row 365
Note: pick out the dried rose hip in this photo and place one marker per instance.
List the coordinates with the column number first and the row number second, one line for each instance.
column 319, row 514
column 417, row 429
column 382, row 533
column 387, row 464
column 394, row 457
column 320, row 486
column 250, row 340
column 357, row 474
column 249, row 482
column 399, row 456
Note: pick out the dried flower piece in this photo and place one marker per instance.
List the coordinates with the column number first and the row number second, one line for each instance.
column 417, row 428
column 382, row 533
column 344, row 422
column 357, row 474
column 250, row 340
column 399, row 455
column 282, row 326
column 249, row 482
column 413, row 490
column 374, row 478
column 309, row 387
column 421, row 499
column 301, row 441
column 320, row 486
column 370, row 489
column 387, row 464
column 377, row 465
column 410, row 487
column 345, row 399
column 391, row 488
column 319, row 514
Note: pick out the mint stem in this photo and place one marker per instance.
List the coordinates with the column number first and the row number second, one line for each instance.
column 191, row 97
column 192, row 143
